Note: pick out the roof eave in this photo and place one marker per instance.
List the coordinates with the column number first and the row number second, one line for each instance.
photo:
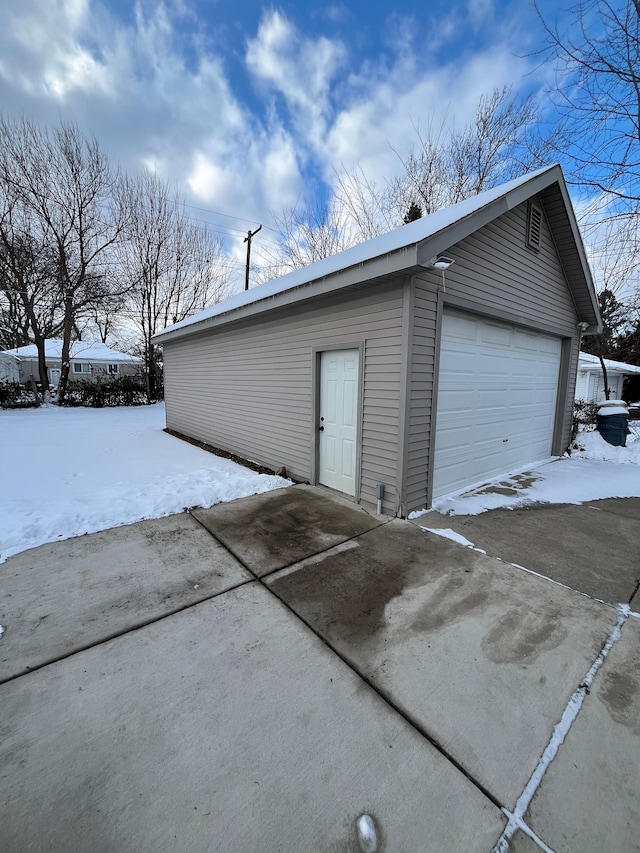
column 419, row 254
column 399, row 260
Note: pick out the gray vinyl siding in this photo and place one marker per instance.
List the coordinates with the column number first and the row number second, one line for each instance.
column 571, row 393
column 248, row 388
column 495, row 274
column 421, row 395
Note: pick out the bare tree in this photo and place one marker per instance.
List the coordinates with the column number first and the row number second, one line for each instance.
column 171, row 266
column 102, row 319
column 450, row 165
column 363, row 205
column 306, row 234
column 63, row 184
column 426, row 174
column 598, row 92
column 497, row 146
column 14, row 325
column 28, row 286
column 445, row 166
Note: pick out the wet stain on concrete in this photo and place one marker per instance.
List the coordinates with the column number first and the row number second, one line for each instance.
column 342, row 604
column 456, row 596
column 522, row 633
column 619, row 694
column 345, row 595
column 272, row 531
column 589, row 551
column 512, row 486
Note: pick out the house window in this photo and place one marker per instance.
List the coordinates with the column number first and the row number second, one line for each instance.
column 113, row 369
column 534, row 227
column 81, row 367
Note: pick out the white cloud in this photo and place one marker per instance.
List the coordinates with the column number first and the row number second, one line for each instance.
column 387, row 107
column 42, row 55
column 157, row 95
column 151, row 98
column 300, row 69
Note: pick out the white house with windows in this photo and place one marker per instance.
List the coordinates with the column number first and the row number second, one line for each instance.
column 89, row 361
column 590, row 378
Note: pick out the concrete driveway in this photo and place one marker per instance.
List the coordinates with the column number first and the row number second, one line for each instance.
column 256, row 676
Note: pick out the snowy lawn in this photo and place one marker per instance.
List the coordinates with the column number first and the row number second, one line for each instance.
column 66, row 472
column 596, row 470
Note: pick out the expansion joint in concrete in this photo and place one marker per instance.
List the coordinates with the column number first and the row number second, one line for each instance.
column 408, row 718
column 326, row 550
column 381, row 694
column 122, row 633
column 515, row 819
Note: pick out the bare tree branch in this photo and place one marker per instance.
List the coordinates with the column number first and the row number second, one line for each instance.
column 171, row 267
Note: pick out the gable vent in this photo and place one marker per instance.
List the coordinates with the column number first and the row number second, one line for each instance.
column 534, row 227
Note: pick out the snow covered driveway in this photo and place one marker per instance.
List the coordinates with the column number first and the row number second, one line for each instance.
column 67, row 472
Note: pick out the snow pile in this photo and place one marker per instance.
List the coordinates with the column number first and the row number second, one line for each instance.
column 594, row 470
column 591, row 445
column 67, row 472
column 448, row 533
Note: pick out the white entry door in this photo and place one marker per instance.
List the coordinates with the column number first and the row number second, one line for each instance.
column 54, row 376
column 339, row 382
column 496, row 400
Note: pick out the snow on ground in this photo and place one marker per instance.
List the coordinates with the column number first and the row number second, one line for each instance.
column 66, row 472
column 594, row 470
column 448, row 533
column 70, row 471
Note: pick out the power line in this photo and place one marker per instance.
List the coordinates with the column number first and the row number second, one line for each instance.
column 230, row 232
column 226, row 215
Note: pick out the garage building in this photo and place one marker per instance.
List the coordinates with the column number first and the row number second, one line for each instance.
column 424, row 361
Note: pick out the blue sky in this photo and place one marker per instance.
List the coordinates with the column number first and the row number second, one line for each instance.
column 245, row 105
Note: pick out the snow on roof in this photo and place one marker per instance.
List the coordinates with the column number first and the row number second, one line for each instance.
column 79, row 349
column 405, row 235
column 592, row 362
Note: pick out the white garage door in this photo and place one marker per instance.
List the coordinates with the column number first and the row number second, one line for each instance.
column 496, row 400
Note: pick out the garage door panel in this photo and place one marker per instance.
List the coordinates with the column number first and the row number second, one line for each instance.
column 496, row 400
column 463, row 326
column 490, row 365
column 453, row 439
column 460, row 398
column 494, row 334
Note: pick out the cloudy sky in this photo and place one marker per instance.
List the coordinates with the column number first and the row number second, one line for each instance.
column 245, row 104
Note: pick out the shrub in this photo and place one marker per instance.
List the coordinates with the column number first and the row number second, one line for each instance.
column 122, row 391
column 584, row 417
column 16, row 395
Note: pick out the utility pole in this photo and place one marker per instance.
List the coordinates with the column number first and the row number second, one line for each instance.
column 247, row 240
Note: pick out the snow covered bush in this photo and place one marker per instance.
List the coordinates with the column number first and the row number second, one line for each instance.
column 124, row 391
column 584, row 417
column 16, row 395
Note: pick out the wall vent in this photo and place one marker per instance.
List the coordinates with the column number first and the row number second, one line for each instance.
column 534, row 227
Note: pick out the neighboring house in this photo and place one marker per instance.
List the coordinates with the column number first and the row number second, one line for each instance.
column 8, row 368
column 590, row 380
column 385, row 366
column 89, row 361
